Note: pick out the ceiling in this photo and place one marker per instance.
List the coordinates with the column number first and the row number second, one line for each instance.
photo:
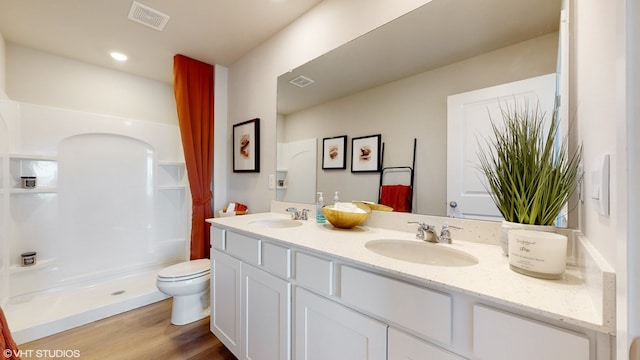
column 212, row 31
column 436, row 34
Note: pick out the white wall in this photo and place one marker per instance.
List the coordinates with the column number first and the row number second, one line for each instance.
column 602, row 39
column 220, row 156
column 595, row 95
column 42, row 78
column 3, row 70
column 629, row 35
column 252, row 79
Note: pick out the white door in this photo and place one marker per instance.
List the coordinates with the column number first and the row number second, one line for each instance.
column 468, row 123
column 266, row 310
column 225, row 302
column 326, row 330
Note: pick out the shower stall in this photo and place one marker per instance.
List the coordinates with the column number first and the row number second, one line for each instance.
column 110, row 208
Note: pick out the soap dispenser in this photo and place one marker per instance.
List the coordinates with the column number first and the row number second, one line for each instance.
column 336, row 198
column 319, row 204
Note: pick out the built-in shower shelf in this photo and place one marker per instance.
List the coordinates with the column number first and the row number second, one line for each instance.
column 172, row 175
column 171, row 163
column 40, row 264
column 36, row 157
column 171, row 187
column 37, row 190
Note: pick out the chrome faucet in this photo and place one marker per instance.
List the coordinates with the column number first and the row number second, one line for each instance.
column 424, row 229
column 295, row 215
column 298, row 215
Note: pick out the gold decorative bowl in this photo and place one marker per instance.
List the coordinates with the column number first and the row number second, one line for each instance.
column 374, row 206
column 346, row 219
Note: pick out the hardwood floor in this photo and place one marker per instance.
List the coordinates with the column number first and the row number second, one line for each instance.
column 144, row 333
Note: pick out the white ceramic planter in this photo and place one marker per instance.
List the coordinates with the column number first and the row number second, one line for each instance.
column 507, row 226
column 538, row 253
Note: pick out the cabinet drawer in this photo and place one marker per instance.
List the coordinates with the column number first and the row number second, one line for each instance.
column 243, row 247
column 498, row 335
column 217, row 238
column 424, row 311
column 276, row 259
column 314, row 273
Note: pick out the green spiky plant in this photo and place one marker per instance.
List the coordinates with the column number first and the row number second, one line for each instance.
column 529, row 176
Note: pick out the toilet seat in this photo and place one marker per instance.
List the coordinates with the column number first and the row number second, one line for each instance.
column 185, row 271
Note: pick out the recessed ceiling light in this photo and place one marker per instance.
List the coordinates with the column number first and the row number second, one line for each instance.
column 119, row 56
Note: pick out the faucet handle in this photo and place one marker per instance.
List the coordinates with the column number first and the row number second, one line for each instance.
column 304, row 215
column 445, row 234
column 294, row 213
column 423, row 228
column 422, row 225
column 447, row 226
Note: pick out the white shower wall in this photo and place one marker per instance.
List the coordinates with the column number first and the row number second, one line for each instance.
column 112, row 197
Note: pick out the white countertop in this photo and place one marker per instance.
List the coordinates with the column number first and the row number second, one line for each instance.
column 568, row 300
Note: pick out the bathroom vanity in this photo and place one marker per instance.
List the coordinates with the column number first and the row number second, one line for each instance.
column 285, row 289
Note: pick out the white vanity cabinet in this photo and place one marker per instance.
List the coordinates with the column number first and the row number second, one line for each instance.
column 403, row 346
column 226, row 300
column 275, row 300
column 250, row 308
column 501, row 336
column 266, row 315
column 327, row 330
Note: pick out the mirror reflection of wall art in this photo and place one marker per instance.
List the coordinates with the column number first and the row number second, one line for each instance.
column 246, row 146
column 365, row 152
column 334, row 152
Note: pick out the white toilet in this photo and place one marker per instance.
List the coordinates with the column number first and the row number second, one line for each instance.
column 188, row 283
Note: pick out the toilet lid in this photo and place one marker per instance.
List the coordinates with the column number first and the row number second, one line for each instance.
column 187, row 269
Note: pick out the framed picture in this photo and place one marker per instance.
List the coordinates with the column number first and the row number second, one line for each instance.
column 365, row 153
column 334, row 152
column 246, row 146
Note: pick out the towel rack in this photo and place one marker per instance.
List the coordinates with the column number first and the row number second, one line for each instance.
column 393, row 171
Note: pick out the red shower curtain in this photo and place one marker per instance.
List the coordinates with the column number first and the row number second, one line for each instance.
column 193, row 88
column 8, row 348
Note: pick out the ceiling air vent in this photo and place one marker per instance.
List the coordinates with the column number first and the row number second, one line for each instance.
column 301, row 81
column 147, row 16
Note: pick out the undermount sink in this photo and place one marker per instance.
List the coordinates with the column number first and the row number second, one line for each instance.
column 275, row 223
column 421, row 252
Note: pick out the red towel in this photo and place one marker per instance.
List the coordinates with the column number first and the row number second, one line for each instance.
column 396, row 196
column 8, row 347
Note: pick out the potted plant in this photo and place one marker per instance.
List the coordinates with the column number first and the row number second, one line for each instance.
column 529, row 169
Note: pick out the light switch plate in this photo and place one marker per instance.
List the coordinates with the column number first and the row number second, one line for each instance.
column 272, row 181
column 600, row 184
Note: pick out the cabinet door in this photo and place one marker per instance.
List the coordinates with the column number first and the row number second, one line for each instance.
column 266, row 315
column 225, row 300
column 406, row 347
column 501, row 336
column 326, row 330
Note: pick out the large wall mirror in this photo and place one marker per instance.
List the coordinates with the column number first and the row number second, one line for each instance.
column 394, row 81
